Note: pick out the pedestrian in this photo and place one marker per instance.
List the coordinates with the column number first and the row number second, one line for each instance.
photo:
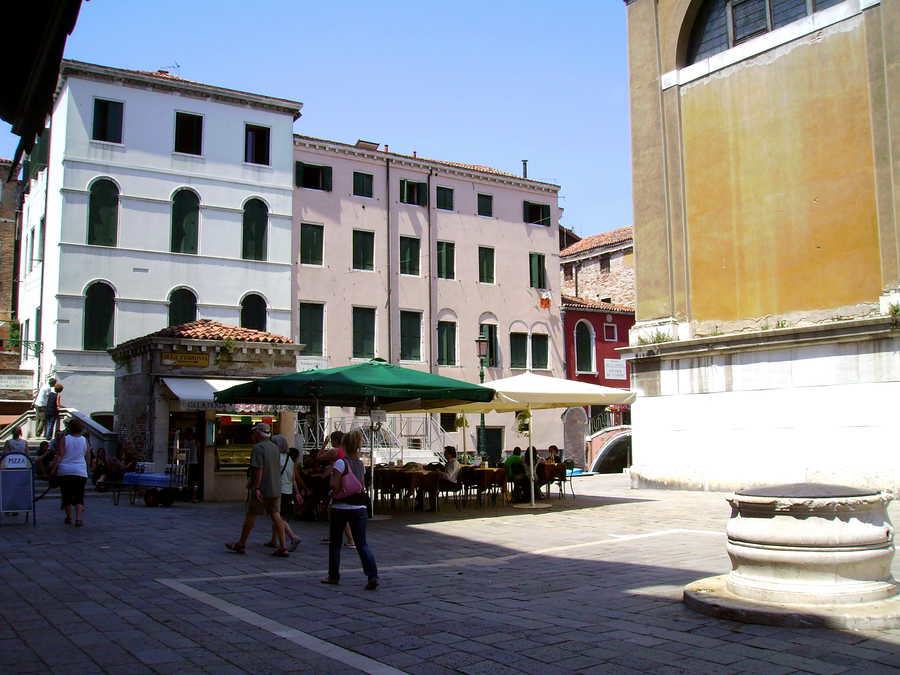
column 40, row 408
column 288, row 490
column 348, row 507
column 265, row 490
column 16, row 443
column 54, row 403
column 71, row 469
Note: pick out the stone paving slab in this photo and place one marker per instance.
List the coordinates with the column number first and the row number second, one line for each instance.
column 593, row 586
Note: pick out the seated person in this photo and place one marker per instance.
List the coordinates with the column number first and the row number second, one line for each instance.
column 531, row 459
column 554, row 455
column 452, row 467
column 514, row 458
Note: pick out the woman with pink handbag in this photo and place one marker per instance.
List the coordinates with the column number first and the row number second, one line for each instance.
column 349, row 507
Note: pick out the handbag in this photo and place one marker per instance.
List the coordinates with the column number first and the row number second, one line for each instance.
column 350, row 484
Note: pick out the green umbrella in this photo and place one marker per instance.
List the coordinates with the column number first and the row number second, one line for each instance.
column 374, row 382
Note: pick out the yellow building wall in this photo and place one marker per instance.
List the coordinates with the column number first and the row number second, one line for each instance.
column 628, row 259
column 779, row 182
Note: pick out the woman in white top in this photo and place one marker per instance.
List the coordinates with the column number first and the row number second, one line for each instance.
column 350, row 510
column 72, row 469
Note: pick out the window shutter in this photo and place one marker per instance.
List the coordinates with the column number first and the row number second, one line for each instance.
column 583, row 347
column 533, row 269
column 326, row 178
column 545, row 214
column 422, row 194
column 518, row 350
column 310, row 334
column 410, row 336
column 298, row 174
column 540, row 351
column 450, row 264
column 524, row 212
column 404, row 187
column 446, row 343
column 103, row 213
column 363, row 332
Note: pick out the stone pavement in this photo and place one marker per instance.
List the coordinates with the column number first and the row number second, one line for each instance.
column 593, row 587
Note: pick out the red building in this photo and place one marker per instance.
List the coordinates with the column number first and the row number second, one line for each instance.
column 593, row 331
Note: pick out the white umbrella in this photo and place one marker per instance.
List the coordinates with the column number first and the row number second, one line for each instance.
column 529, row 392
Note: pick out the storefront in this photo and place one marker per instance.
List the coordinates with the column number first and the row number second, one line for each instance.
column 165, row 383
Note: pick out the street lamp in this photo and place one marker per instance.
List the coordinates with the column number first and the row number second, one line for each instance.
column 483, row 346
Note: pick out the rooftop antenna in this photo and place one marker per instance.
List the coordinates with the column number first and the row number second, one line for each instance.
column 168, row 69
column 524, row 168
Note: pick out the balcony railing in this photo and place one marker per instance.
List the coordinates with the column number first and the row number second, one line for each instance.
column 26, row 348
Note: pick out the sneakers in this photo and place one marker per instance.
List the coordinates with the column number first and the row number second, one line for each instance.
column 372, row 584
column 331, row 581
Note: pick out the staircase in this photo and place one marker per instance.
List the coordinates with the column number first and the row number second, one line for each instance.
column 98, row 435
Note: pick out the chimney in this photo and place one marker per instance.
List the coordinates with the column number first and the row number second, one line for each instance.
column 414, row 153
column 524, row 168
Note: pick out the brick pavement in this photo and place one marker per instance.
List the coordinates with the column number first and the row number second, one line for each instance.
column 594, row 588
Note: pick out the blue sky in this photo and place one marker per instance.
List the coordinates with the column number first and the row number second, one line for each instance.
column 481, row 82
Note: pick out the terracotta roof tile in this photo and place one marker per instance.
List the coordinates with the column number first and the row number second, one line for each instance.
column 597, row 240
column 582, row 303
column 206, row 329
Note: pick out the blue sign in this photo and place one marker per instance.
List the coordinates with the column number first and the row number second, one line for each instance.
column 16, row 484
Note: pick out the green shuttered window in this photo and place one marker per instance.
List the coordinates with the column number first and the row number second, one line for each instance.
column 584, row 348
column 413, row 193
column 256, row 219
column 99, row 316
column 182, row 307
column 362, row 184
column 185, row 218
column 518, row 350
column 363, row 333
column 540, row 351
column 312, row 176
column 485, row 265
column 489, row 330
column 444, row 198
column 311, row 244
column 446, row 260
column 410, row 336
column 537, row 270
column 485, row 205
column 311, row 328
column 409, row 255
column 103, row 213
column 538, row 214
column 446, row 333
column 363, row 250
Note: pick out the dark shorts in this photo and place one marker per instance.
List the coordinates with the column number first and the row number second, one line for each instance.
column 266, row 507
column 72, row 490
column 287, row 505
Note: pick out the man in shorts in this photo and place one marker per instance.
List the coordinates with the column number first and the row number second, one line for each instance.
column 265, row 490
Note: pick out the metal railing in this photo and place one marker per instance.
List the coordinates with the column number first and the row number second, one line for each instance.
column 24, row 347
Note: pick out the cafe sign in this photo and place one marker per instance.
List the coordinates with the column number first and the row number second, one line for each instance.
column 186, row 359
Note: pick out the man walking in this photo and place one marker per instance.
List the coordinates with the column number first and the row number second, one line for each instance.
column 40, row 408
column 265, row 490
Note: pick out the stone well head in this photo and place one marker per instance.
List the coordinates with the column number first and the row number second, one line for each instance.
column 810, row 544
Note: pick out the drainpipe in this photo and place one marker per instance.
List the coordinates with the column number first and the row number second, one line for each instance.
column 432, row 281
column 390, row 270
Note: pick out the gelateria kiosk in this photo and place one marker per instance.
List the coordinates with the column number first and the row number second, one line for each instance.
column 164, row 405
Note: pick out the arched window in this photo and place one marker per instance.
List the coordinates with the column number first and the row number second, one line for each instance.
column 256, row 217
column 99, row 316
column 253, row 312
column 722, row 24
column 182, row 307
column 103, row 213
column 185, row 216
column 584, row 348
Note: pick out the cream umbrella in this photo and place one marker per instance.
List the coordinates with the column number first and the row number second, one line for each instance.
column 527, row 392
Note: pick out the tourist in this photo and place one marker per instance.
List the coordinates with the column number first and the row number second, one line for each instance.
column 54, row 403
column 40, row 408
column 514, row 458
column 288, row 489
column 532, row 460
column 554, row 456
column 349, row 507
column 16, row 443
column 450, row 473
column 44, row 459
column 265, row 490
column 71, row 469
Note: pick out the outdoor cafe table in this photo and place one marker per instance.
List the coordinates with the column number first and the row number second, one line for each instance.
column 548, row 473
column 396, row 481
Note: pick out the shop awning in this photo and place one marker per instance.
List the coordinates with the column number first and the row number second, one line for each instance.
column 196, row 393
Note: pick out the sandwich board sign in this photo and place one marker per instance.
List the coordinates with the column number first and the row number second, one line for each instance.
column 16, row 485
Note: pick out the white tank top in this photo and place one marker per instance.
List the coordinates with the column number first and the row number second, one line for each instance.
column 73, row 462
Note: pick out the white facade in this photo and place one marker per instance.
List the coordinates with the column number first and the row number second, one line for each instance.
column 509, row 302
column 140, row 267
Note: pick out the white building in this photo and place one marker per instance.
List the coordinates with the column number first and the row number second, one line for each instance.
column 162, row 200
column 409, row 259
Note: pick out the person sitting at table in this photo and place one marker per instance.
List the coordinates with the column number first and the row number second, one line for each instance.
column 554, row 456
column 451, row 469
column 532, row 459
column 514, row 458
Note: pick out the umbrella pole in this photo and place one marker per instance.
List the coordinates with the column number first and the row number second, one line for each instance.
column 531, row 452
